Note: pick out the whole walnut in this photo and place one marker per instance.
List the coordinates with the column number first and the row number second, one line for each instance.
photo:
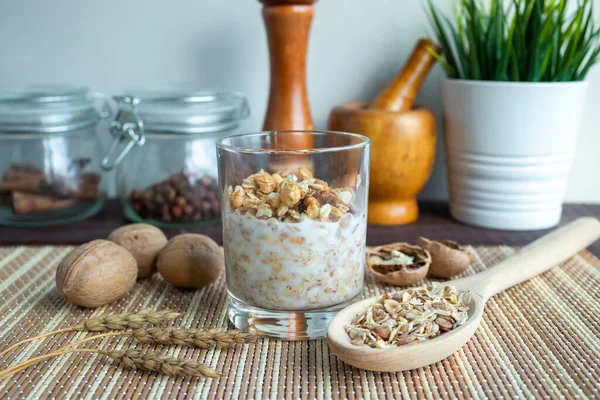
column 96, row 273
column 191, row 261
column 144, row 242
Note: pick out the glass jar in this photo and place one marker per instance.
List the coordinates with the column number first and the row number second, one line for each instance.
column 165, row 156
column 50, row 154
column 294, row 228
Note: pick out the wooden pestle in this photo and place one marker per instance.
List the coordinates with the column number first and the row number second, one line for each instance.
column 402, row 140
column 400, row 95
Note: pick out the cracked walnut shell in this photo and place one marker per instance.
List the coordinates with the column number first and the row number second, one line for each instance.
column 448, row 258
column 399, row 264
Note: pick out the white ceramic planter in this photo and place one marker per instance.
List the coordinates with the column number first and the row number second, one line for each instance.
column 509, row 147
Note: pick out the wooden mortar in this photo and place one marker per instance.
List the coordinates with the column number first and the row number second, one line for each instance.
column 402, row 140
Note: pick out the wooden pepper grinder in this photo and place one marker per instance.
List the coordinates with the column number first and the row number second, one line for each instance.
column 402, row 140
column 288, row 24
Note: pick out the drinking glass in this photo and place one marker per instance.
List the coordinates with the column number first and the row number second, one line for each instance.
column 294, row 228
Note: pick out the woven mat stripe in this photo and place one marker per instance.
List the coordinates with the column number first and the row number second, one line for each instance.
column 103, row 371
column 33, row 282
column 26, row 316
column 15, row 267
column 42, row 320
column 508, row 315
column 25, row 269
column 501, row 366
column 536, row 292
column 571, row 357
column 92, row 363
column 84, row 365
column 6, row 256
column 560, row 305
column 569, row 361
column 581, row 301
column 533, row 355
column 514, row 385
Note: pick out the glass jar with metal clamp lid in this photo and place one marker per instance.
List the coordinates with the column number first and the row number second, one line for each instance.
column 164, row 153
column 50, row 154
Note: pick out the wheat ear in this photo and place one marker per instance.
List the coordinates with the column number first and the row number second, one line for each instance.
column 171, row 336
column 199, row 338
column 134, row 359
column 109, row 322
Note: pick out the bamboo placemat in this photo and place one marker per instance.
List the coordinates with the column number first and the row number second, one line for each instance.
column 539, row 339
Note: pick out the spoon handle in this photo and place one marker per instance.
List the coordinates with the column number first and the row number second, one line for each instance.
column 534, row 259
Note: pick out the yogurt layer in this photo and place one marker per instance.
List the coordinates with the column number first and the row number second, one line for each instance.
column 306, row 265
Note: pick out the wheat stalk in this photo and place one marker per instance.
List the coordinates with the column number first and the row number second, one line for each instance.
column 193, row 337
column 110, row 322
column 133, row 359
column 171, row 336
column 119, row 322
column 200, row 338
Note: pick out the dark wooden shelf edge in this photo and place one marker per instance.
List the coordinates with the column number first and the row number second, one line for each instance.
column 434, row 223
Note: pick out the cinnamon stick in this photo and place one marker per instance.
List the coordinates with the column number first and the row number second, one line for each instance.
column 34, row 183
column 26, row 203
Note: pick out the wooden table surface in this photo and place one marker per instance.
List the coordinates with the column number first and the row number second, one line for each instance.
column 434, row 223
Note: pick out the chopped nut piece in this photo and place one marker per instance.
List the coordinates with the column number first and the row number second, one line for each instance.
column 336, row 213
column 282, row 210
column 345, row 196
column 324, row 184
column 273, row 200
column 313, row 211
column 251, row 202
column 292, row 178
column 309, row 200
column 248, row 183
column 444, row 324
column 324, row 212
column 266, row 184
column 237, row 197
column 277, row 178
column 304, row 174
column 382, row 331
column 290, row 193
column 264, row 212
column 290, row 196
column 342, row 207
column 325, row 197
column 294, row 214
column 415, row 314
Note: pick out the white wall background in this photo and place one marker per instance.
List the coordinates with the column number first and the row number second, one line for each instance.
column 356, row 47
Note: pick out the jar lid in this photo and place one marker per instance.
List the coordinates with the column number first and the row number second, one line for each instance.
column 170, row 111
column 182, row 111
column 50, row 108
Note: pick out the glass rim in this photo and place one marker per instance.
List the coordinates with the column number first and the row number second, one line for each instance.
column 363, row 143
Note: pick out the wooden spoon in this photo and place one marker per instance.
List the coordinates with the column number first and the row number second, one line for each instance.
column 531, row 261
